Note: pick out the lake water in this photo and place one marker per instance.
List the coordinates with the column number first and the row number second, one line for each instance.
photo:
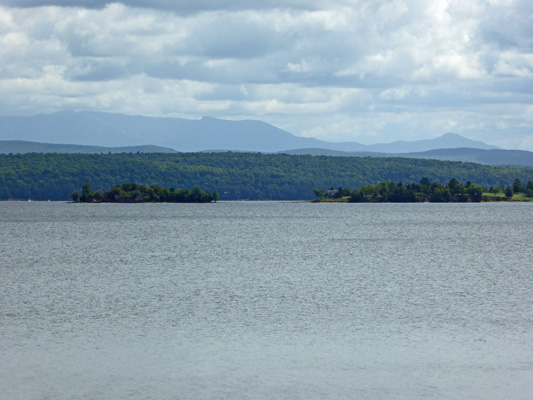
column 266, row 300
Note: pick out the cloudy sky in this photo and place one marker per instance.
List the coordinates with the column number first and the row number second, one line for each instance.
column 340, row 70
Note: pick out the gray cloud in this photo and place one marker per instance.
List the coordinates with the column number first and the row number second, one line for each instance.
column 100, row 70
column 339, row 70
column 182, row 6
column 233, row 36
column 506, row 27
column 60, row 3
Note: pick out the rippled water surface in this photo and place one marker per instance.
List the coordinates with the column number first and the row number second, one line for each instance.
column 268, row 300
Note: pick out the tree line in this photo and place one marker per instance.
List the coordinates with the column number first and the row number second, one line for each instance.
column 133, row 193
column 236, row 176
column 424, row 191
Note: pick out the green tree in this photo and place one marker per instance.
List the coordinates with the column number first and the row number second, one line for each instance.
column 425, row 181
column 517, row 186
column 86, row 193
column 455, row 187
column 98, row 196
column 215, row 196
column 319, row 193
column 75, row 196
column 475, row 192
column 509, row 192
column 357, row 197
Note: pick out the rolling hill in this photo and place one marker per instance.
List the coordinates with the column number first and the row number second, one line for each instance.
column 235, row 175
column 23, row 147
column 480, row 156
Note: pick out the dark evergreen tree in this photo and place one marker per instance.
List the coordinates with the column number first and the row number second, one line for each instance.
column 517, row 186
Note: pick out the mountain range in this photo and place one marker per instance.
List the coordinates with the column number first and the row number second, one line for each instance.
column 97, row 132
column 23, row 147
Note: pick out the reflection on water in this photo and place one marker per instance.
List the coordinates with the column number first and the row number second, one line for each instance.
column 266, row 300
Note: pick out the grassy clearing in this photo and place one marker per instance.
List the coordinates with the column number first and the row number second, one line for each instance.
column 501, row 197
column 521, row 197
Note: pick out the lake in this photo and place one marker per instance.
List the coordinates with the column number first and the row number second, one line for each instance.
column 266, row 300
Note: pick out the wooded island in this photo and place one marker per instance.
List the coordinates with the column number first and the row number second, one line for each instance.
column 133, row 193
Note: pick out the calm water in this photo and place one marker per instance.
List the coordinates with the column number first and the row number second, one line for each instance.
column 266, row 301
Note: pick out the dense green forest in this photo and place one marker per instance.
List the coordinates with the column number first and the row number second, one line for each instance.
column 133, row 193
column 234, row 175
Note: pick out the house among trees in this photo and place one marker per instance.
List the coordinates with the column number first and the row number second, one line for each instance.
column 332, row 193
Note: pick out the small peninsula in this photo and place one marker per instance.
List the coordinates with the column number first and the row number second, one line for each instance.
column 134, row 193
column 427, row 191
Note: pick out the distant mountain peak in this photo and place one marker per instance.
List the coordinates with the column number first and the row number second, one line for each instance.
column 459, row 141
column 451, row 135
column 207, row 133
column 449, row 140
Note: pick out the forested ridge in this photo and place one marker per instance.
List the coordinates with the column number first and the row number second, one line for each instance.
column 235, row 176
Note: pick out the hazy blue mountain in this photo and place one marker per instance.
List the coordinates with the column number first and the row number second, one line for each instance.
column 105, row 129
column 22, row 147
column 112, row 130
column 446, row 141
column 480, row 156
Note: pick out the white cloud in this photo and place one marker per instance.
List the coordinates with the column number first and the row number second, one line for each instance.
column 515, row 65
column 395, row 94
column 340, row 70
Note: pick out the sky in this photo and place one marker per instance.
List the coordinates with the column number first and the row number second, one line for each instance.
column 338, row 70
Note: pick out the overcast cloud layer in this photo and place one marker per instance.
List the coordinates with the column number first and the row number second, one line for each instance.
column 338, row 70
